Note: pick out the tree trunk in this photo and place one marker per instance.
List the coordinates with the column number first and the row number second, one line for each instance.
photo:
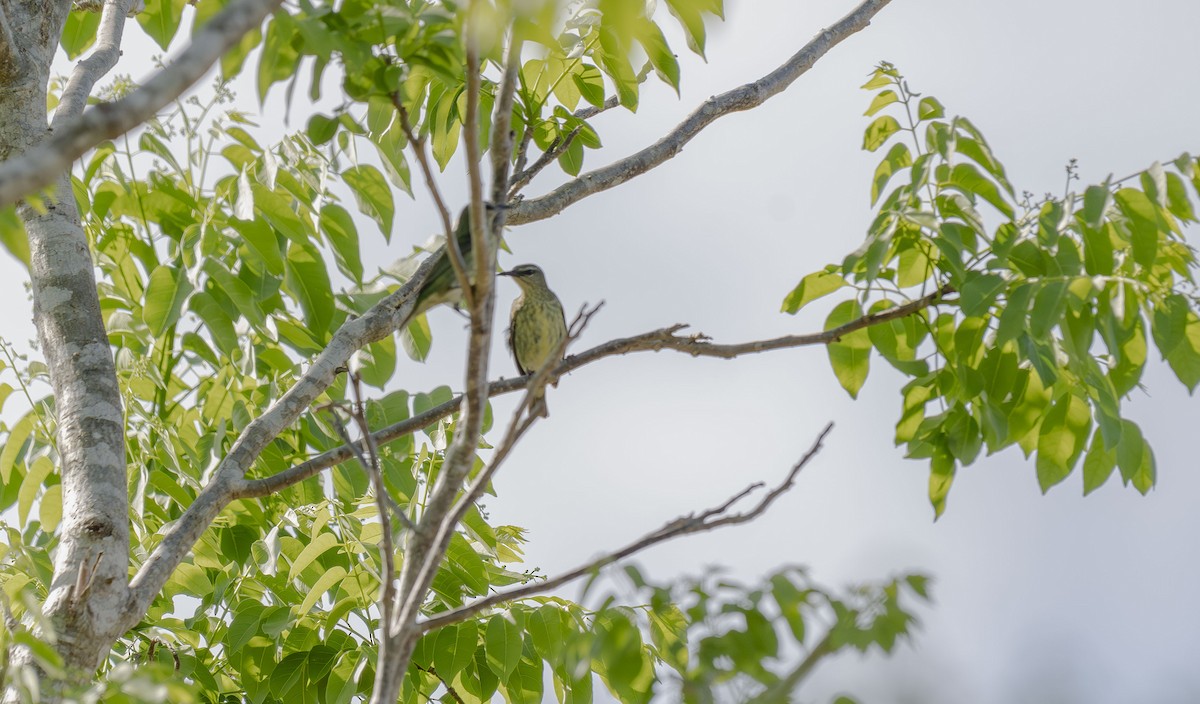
column 89, row 589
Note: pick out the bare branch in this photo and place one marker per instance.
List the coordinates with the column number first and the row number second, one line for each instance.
column 684, row 525
column 427, row 546
column 38, row 166
column 745, row 97
column 653, row 341
column 90, row 70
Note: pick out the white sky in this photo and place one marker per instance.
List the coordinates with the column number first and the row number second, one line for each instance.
column 1039, row 599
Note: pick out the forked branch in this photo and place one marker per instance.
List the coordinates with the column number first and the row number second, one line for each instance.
column 704, row 521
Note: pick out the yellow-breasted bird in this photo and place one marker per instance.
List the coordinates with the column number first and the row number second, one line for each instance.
column 537, row 325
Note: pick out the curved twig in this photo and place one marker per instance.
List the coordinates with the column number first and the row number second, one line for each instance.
column 684, row 525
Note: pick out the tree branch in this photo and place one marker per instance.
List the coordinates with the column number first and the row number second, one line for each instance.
column 653, row 341
column 102, row 59
column 228, row 479
column 39, row 165
column 745, row 97
column 684, row 525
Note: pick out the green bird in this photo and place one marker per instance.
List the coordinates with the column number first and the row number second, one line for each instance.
column 442, row 284
column 537, row 326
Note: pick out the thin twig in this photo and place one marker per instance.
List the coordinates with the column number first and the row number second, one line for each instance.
column 449, row 688
column 653, row 341
column 681, row 526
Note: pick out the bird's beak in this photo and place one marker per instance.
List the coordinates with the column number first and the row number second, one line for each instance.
column 504, row 273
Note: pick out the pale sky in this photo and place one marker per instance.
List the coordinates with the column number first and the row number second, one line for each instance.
column 1038, row 599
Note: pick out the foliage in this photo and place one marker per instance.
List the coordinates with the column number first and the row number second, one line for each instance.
column 224, row 263
column 1050, row 305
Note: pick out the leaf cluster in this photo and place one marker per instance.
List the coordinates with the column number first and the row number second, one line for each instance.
column 1049, row 306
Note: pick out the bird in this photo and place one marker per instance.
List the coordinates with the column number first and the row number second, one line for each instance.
column 537, row 326
column 442, row 285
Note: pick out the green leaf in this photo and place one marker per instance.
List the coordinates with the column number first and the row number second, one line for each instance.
column 79, row 33
column 244, row 625
column 279, row 56
column 237, row 541
column 416, row 339
column 1047, row 311
column 50, row 508
column 1178, row 202
column 262, row 241
column 1135, row 458
column 319, row 545
column 930, row 109
column 503, row 644
column 571, row 160
column 216, row 320
column 1169, row 323
column 1143, row 218
column 1185, row 357
column 1098, row 464
column 160, row 20
column 338, row 226
column 164, row 297
column 307, row 280
column 1096, row 200
column 41, row 468
column 455, row 648
column 13, row 236
column 288, row 674
column 328, row 579
column 321, row 129
column 277, row 209
column 898, row 157
column 941, row 478
column 688, row 13
column 13, row 445
column 968, row 178
column 1098, row 251
column 1061, row 439
column 881, row 100
column 879, row 132
column 373, row 195
column 652, row 40
column 810, row 288
column 979, row 292
column 850, row 355
column 590, row 83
